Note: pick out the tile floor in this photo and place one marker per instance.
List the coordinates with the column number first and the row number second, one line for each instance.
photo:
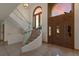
column 10, row 50
column 52, row 50
column 44, row 50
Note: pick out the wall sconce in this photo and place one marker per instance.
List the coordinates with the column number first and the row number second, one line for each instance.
column 25, row 5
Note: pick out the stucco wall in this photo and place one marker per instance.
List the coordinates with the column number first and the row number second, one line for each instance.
column 24, row 11
column 12, row 32
column 76, row 23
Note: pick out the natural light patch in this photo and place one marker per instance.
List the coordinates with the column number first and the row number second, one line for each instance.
column 37, row 21
column 38, row 10
column 60, row 8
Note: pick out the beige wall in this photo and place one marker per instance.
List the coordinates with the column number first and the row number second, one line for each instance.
column 76, row 26
column 12, row 32
column 25, row 11
column 6, row 9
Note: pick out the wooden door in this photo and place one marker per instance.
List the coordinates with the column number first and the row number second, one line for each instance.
column 62, row 32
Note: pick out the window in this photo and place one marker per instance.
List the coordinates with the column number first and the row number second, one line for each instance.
column 36, row 16
column 60, row 8
column 37, row 21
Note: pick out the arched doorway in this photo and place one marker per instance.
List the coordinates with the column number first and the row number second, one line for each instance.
column 37, row 17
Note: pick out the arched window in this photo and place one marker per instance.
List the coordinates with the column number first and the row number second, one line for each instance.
column 37, row 16
column 60, row 8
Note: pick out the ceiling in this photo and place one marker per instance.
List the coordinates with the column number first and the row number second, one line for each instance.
column 6, row 9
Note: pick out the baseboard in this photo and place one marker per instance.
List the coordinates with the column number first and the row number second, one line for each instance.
column 76, row 49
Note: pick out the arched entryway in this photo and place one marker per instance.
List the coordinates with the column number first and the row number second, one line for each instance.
column 37, row 17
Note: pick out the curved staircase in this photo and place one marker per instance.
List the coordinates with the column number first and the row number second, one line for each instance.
column 32, row 37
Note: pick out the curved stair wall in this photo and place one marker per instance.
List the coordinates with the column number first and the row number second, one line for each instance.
column 20, row 22
column 33, row 45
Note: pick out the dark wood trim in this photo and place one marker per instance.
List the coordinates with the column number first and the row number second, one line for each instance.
column 73, row 9
column 3, row 31
column 39, row 19
column 38, row 13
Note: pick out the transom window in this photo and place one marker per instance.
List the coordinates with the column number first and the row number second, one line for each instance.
column 37, row 11
column 60, row 8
